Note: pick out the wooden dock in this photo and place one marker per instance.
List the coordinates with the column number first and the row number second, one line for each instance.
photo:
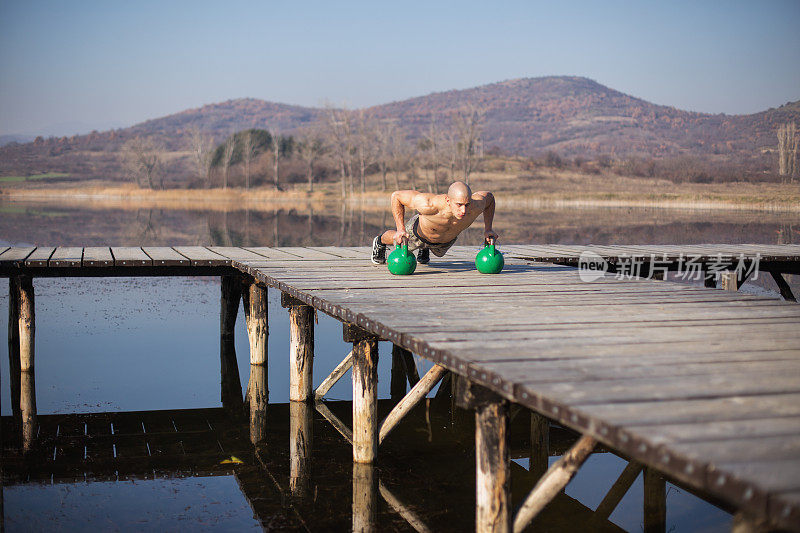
column 700, row 385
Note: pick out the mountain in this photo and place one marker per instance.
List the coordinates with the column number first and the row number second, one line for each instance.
column 573, row 116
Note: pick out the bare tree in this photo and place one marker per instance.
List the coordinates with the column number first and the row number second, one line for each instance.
column 340, row 132
column 227, row 158
column 310, row 149
column 249, row 147
column 433, row 146
column 143, row 160
column 401, row 153
column 386, row 132
column 202, row 153
column 787, row 150
column 366, row 145
column 276, row 158
column 468, row 123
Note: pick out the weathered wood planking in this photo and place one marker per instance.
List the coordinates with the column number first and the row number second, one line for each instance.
column 130, row 256
column 200, row 256
column 97, row 257
column 65, row 256
column 15, row 256
column 165, row 257
column 40, row 257
column 555, row 338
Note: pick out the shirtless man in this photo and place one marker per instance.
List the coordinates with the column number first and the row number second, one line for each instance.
column 440, row 218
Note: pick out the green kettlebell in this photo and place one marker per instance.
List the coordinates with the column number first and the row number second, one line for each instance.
column 400, row 262
column 489, row 260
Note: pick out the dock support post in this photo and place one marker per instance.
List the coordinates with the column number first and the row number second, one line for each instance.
column 301, row 435
column 365, row 393
column 709, row 278
column 492, row 468
column 397, row 388
column 255, row 314
column 13, row 346
column 301, row 348
column 540, row 445
column 729, row 281
column 418, row 392
column 786, row 291
column 26, row 320
column 655, row 502
column 365, row 498
column 230, row 295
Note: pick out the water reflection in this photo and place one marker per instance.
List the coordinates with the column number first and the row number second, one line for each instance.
column 353, row 225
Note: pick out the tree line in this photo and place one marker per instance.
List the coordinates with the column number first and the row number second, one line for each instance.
column 345, row 145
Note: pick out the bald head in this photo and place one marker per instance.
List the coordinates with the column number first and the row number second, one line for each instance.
column 459, row 192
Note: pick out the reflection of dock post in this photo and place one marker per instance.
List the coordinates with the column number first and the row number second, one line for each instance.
column 230, row 384
column 365, row 393
column 655, row 502
column 301, row 348
column 365, row 498
column 540, row 445
column 301, row 435
column 27, row 406
column 257, row 399
column 492, row 468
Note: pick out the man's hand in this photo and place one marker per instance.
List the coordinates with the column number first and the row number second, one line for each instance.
column 490, row 236
column 400, row 237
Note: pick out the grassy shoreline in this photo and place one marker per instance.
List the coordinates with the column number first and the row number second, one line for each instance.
column 265, row 198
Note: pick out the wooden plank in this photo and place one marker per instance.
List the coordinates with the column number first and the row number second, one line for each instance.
column 15, row 256
column 130, row 256
column 236, row 254
column 786, row 426
column 97, row 257
column 65, row 256
column 200, row 256
column 307, row 253
column 272, row 253
column 164, row 256
column 40, row 257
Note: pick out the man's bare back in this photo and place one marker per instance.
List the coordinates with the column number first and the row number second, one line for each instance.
column 442, row 217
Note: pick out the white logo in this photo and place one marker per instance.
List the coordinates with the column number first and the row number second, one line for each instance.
column 591, row 266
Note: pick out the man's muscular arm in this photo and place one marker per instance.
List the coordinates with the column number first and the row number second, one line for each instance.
column 488, row 216
column 421, row 202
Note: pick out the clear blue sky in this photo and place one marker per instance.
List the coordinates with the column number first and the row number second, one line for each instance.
column 80, row 65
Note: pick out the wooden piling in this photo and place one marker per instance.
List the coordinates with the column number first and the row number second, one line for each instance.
column 230, row 295
column 540, row 445
column 301, row 349
column 397, row 386
column 301, row 434
column 27, row 323
column 365, row 393
column 729, row 281
column 655, row 502
column 365, row 498
column 13, row 346
column 255, row 312
column 783, row 287
column 492, row 470
column 258, row 399
column 340, row 370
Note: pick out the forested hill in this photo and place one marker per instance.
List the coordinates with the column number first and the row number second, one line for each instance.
column 568, row 115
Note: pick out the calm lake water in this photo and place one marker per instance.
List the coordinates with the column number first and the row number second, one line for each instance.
column 152, row 344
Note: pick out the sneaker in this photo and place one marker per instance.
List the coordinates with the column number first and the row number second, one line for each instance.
column 378, row 251
column 423, row 256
